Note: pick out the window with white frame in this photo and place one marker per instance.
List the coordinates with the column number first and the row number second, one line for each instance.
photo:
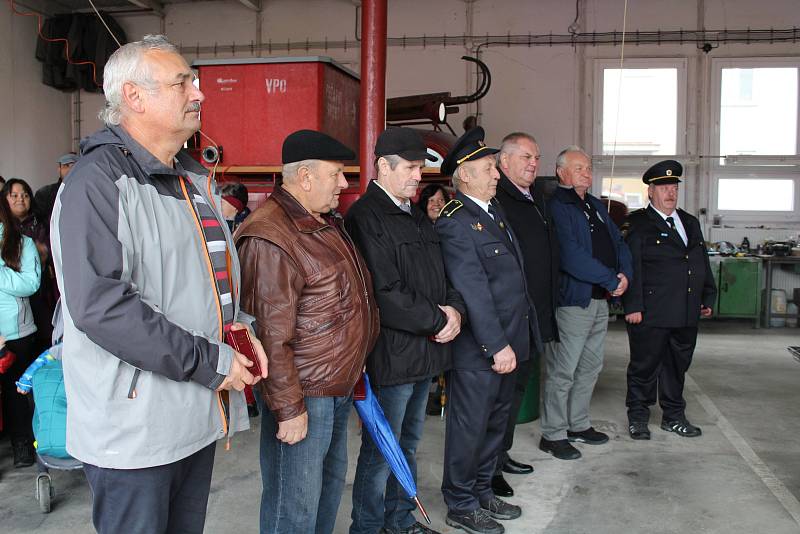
column 756, row 165
column 639, row 119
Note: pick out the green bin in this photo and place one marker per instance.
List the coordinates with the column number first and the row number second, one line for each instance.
column 529, row 409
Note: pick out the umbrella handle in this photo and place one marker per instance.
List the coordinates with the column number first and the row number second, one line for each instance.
column 422, row 510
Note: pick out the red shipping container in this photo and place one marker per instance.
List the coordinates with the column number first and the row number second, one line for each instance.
column 253, row 104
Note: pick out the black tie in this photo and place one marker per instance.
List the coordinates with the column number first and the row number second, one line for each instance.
column 671, row 223
column 499, row 220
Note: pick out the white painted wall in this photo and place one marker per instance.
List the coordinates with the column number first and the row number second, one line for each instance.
column 34, row 118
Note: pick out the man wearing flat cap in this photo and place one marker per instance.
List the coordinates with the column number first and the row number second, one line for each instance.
column 484, row 264
column 420, row 316
column 672, row 288
column 311, row 295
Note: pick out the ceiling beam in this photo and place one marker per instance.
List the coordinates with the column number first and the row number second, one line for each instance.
column 154, row 5
column 254, row 5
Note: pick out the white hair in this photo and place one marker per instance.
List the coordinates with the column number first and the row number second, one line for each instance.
column 125, row 65
column 456, row 178
column 511, row 142
column 561, row 160
column 290, row 170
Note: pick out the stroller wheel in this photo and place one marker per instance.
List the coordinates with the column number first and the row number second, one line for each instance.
column 44, row 492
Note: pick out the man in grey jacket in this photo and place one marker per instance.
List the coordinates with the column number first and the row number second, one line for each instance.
column 150, row 285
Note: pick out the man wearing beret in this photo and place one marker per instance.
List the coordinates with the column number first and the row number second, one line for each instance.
column 595, row 266
column 311, row 295
column 420, row 315
column 484, row 263
column 672, row 287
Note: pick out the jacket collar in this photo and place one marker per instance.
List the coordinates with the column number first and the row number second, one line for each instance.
column 508, row 186
column 382, row 198
column 300, row 217
column 149, row 163
column 662, row 224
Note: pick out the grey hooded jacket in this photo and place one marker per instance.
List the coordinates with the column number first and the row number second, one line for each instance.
column 142, row 336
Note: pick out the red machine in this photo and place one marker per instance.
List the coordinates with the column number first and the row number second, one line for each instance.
column 252, row 105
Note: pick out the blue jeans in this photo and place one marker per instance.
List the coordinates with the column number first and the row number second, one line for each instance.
column 302, row 483
column 378, row 500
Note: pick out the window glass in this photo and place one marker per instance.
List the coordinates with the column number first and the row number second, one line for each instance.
column 758, row 111
column 631, row 191
column 755, row 194
column 640, row 111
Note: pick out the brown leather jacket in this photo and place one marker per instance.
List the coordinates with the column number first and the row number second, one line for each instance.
column 311, row 294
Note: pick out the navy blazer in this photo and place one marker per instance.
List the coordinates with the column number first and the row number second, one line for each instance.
column 671, row 279
column 485, row 266
column 579, row 269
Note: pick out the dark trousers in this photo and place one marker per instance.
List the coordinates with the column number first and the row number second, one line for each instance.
column 169, row 498
column 17, row 411
column 522, row 376
column 660, row 358
column 479, row 402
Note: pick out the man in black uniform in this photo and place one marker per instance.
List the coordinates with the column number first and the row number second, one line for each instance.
column 672, row 287
column 529, row 216
column 484, row 264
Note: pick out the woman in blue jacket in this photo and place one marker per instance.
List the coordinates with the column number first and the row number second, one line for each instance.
column 20, row 275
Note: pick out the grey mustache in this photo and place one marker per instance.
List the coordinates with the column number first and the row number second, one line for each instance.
column 194, row 106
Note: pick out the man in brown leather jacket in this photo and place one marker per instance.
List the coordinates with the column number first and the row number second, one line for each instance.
column 311, row 295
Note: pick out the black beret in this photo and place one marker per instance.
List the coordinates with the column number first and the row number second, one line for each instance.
column 468, row 147
column 403, row 142
column 664, row 172
column 309, row 144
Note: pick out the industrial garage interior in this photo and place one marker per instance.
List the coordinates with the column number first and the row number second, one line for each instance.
column 714, row 84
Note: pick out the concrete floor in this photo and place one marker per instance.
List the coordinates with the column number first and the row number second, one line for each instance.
column 742, row 475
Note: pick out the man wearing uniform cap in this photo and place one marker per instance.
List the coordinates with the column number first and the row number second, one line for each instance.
column 672, row 287
column 45, row 197
column 420, row 315
column 484, row 263
column 311, row 295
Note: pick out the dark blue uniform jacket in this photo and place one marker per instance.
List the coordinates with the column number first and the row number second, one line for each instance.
column 483, row 268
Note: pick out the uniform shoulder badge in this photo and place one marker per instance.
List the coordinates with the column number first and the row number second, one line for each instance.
column 451, row 207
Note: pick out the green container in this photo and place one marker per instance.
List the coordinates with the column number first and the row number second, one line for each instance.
column 529, row 409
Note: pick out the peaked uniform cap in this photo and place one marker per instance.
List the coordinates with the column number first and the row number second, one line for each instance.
column 468, row 147
column 664, row 172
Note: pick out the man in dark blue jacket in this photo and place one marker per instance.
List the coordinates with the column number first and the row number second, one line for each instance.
column 484, row 263
column 595, row 266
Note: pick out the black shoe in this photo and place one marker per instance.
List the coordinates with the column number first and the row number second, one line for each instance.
column 500, row 509
column 639, row 430
column 590, row 436
column 501, row 487
column 476, row 522
column 682, row 428
column 416, row 528
column 516, row 468
column 560, row 448
column 23, row 453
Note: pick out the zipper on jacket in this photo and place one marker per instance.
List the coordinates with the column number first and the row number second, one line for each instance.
column 190, row 207
column 132, row 389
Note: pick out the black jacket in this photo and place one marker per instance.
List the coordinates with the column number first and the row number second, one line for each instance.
column 486, row 268
column 534, row 228
column 403, row 254
column 670, row 279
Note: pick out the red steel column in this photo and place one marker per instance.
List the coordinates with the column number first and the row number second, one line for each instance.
column 372, row 110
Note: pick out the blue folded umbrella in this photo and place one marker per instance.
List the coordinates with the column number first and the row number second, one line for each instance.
column 374, row 421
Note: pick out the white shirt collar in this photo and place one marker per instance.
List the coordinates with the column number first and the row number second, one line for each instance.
column 484, row 205
column 663, row 215
column 394, row 199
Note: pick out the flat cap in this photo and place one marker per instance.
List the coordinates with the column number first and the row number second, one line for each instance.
column 68, row 159
column 664, row 172
column 468, row 147
column 309, row 144
column 403, row 142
